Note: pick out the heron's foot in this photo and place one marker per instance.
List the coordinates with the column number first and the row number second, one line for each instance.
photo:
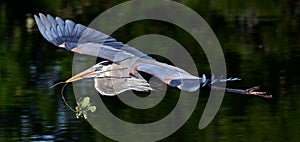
column 249, row 92
column 252, row 91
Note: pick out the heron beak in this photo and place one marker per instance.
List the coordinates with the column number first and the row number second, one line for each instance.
column 82, row 75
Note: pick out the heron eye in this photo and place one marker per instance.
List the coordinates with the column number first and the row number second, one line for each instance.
column 99, row 68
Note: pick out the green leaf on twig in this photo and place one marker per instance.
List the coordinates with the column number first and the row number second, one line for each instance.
column 83, row 107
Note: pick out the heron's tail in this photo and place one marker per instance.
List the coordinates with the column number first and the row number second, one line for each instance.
column 192, row 84
column 204, row 81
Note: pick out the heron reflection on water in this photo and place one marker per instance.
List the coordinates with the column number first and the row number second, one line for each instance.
column 123, row 71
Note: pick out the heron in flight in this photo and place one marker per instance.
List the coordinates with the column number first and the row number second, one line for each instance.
column 122, row 70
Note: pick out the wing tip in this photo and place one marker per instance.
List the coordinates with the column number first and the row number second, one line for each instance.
column 49, row 28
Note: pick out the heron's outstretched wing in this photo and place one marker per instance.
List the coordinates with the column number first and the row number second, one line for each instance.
column 170, row 75
column 84, row 40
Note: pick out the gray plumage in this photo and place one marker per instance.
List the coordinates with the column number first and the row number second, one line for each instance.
column 84, row 40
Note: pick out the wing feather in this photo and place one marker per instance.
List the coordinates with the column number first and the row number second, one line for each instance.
column 72, row 35
column 53, row 26
column 60, row 25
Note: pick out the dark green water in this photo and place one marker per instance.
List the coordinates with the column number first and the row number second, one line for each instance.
column 261, row 43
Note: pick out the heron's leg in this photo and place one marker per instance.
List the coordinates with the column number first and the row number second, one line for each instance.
column 250, row 91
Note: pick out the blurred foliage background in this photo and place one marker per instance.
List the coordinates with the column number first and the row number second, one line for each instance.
column 260, row 40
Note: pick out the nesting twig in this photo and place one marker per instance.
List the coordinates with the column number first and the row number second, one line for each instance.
column 62, row 94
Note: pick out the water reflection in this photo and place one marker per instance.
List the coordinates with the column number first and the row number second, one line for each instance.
column 261, row 45
column 29, row 23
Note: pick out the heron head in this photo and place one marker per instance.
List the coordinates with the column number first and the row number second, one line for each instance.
column 96, row 70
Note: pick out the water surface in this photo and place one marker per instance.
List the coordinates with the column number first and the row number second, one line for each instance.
column 261, row 44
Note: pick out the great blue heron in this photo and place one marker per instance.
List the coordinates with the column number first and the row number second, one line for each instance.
column 127, row 62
